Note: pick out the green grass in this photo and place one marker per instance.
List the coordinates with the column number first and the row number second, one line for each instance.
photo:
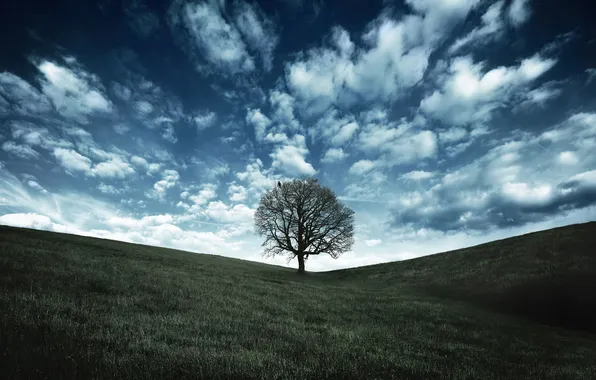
column 77, row 307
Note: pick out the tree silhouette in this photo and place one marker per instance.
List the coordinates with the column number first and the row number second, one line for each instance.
column 302, row 218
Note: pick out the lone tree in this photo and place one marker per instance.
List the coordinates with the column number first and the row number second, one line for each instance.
column 303, row 218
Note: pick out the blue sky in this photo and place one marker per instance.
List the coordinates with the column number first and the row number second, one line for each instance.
column 442, row 123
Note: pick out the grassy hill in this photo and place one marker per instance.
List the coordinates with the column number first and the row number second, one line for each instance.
column 78, row 307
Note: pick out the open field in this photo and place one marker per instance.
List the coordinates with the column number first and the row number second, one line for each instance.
column 78, row 307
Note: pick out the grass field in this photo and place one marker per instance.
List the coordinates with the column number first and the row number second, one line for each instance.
column 77, row 307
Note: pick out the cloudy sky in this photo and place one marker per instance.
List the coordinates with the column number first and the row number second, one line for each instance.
column 442, row 123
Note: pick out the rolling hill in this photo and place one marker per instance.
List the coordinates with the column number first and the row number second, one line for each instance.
column 80, row 307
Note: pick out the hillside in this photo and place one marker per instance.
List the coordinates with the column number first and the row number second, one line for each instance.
column 79, row 307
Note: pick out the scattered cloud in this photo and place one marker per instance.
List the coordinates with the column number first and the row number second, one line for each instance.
column 372, row 242
column 258, row 31
column 75, row 93
column 259, row 121
column 519, row 12
column 21, row 151
column 491, row 29
column 334, row 155
column 469, row 94
column 291, row 158
column 207, row 34
column 204, row 120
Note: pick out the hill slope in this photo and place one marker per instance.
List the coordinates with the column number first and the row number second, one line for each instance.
column 77, row 307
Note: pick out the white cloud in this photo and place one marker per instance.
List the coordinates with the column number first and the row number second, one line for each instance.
column 283, row 106
column 453, row 135
column 334, row 155
column 373, row 242
column 290, row 158
column 75, row 93
column 73, row 161
column 169, row 179
column 258, row 30
column 259, row 121
column 492, row 28
column 150, row 168
column 393, row 59
column 469, row 95
column 417, row 175
column 258, row 180
column 114, row 168
column 21, row 151
column 345, row 133
column 208, row 192
column 121, row 129
column 362, row 166
column 220, row 212
column 21, row 98
column 398, row 143
column 540, row 96
column 204, row 120
column 108, row 189
column 35, row 185
column 568, row 158
column 31, row 220
column 218, row 42
column 237, row 193
column 519, row 12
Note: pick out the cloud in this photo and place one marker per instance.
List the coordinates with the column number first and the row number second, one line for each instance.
column 220, row 212
column 237, row 193
column 591, row 75
column 108, row 189
column 169, row 179
column 511, row 185
column 259, row 121
column 417, row 175
column 453, row 134
column 258, row 180
column 121, row 129
column 208, row 35
column 491, row 29
column 397, row 143
column 32, row 182
column 204, row 120
column 334, row 155
column 114, row 168
column 345, row 133
column 290, row 158
column 394, row 57
column 258, row 31
column 362, row 166
column 469, row 94
column 519, row 12
column 539, row 96
column 568, row 158
column 21, row 151
column 372, row 242
column 19, row 97
column 73, row 161
column 283, row 115
column 75, row 93
column 207, row 193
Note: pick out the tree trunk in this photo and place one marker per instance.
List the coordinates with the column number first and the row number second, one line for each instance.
column 301, row 263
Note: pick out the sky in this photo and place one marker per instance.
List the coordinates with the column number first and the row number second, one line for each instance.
column 441, row 123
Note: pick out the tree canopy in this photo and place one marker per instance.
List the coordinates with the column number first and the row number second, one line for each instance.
column 301, row 218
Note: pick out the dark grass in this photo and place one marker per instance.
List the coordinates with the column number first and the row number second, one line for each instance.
column 77, row 307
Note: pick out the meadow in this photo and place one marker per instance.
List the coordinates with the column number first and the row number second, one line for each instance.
column 74, row 307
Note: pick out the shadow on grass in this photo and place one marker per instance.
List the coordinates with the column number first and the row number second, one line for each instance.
column 567, row 301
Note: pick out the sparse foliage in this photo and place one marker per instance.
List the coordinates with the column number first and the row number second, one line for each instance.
column 302, row 218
